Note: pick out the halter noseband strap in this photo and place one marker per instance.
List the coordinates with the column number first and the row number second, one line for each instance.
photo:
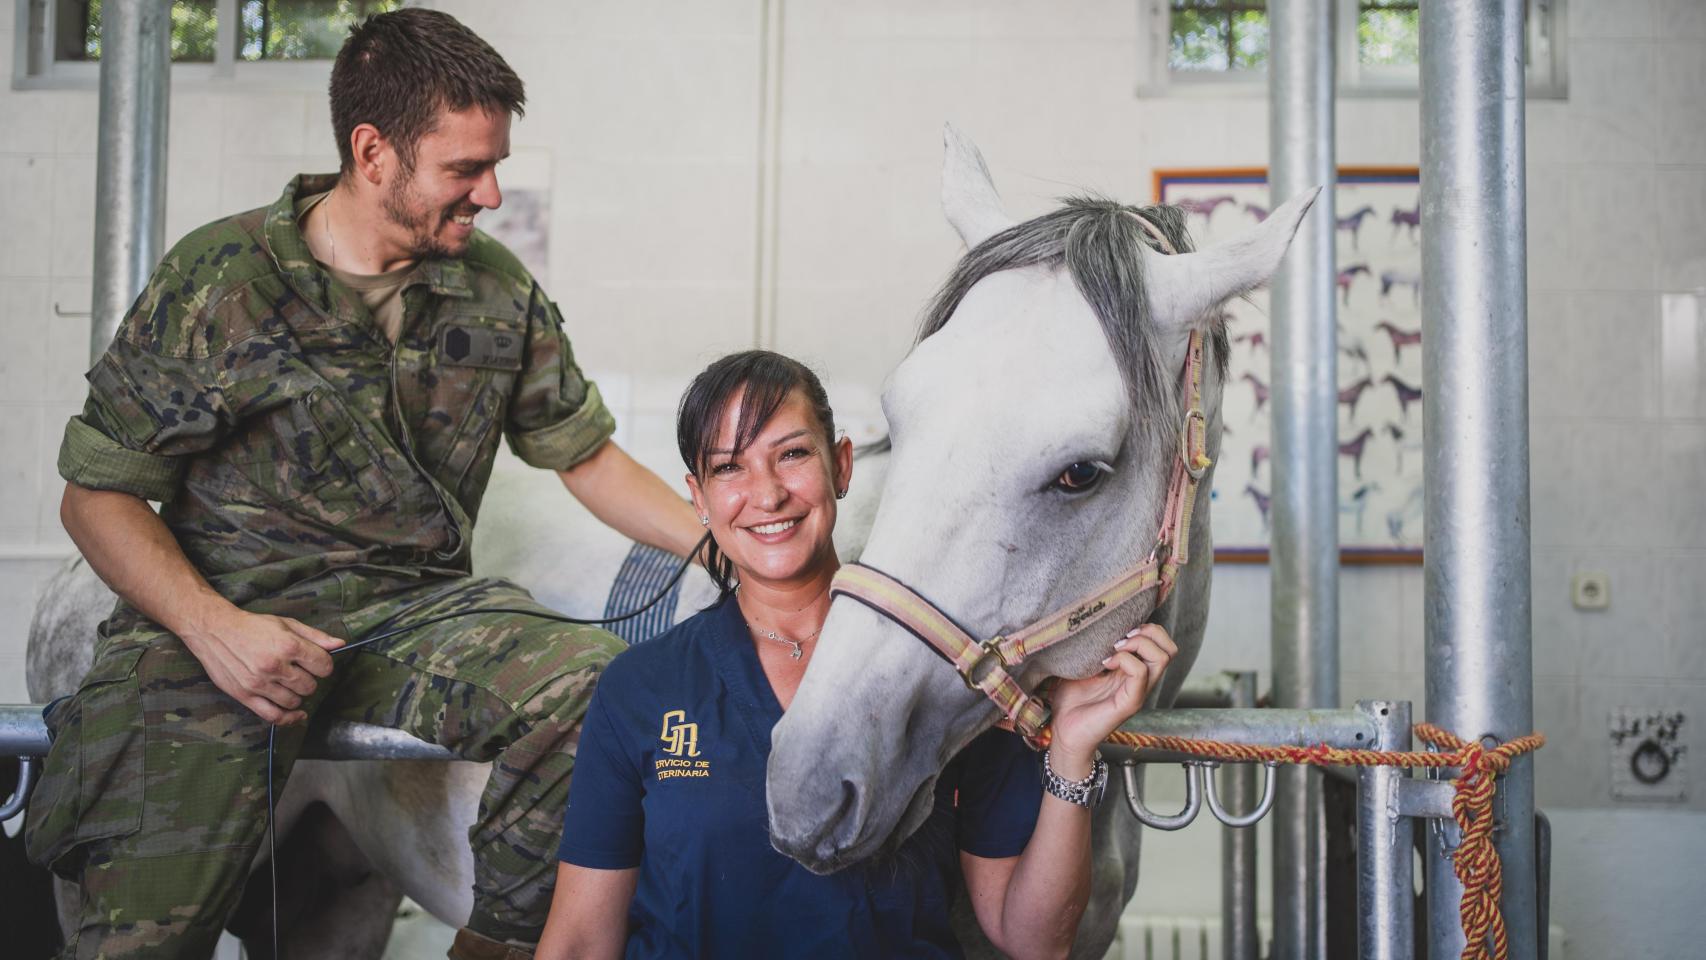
column 984, row 665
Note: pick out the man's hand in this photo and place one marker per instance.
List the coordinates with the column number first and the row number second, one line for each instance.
column 268, row 664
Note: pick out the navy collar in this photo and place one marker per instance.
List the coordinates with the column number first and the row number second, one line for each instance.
column 736, row 659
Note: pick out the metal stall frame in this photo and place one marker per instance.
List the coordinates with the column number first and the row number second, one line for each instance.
column 1239, row 932
column 1304, row 553
column 130, row 159
column 1387, row 797
column 1477, row 600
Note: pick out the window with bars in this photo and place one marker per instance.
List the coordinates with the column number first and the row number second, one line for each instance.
column 1217, row 44
column 60, row 44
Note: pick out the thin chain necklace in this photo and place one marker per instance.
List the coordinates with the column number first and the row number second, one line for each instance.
column 773, row 635
column 326, row 228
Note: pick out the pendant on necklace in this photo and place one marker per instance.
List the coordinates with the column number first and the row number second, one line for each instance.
column 798, row 645
column 773, row 635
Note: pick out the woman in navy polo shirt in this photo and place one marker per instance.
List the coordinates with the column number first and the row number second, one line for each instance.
column 666, row 849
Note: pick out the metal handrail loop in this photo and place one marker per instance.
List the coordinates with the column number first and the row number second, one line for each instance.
column 28, row 767
column 1253, row 817
column 1194, row 773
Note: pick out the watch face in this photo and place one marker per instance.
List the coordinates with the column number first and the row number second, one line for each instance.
column 1100, row 785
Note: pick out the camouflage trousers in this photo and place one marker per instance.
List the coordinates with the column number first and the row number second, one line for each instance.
column 153, row 798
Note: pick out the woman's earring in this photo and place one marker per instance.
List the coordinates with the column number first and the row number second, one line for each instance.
column 840, row 494
column 704, row 521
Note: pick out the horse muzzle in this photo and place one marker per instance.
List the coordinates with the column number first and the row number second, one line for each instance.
column 826, row 822
column 853, row 761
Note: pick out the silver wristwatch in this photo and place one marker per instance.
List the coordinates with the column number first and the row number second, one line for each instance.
column 1086, row 792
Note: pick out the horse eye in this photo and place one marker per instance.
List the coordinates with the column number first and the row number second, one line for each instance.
column 1078, row 477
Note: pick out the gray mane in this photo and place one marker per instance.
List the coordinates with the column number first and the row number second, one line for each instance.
column 1096, row 240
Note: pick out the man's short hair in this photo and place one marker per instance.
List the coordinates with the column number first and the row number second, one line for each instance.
column 398, row 69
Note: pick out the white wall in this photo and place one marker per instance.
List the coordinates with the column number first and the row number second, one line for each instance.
column 735, row 171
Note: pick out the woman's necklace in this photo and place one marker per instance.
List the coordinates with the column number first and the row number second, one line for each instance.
column 773, row 635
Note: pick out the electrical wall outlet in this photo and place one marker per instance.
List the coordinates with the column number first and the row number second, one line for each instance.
column 1649, row 752
column 1590, row 591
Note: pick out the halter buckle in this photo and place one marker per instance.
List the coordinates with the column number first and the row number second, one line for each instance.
column 989, row 661
column 1196, row 462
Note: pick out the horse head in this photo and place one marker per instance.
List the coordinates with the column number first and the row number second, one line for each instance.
column 1035, row 427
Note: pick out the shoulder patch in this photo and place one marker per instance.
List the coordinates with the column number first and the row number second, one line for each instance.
column 479, row 345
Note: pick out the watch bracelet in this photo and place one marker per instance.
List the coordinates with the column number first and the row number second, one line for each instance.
column 1079, row 792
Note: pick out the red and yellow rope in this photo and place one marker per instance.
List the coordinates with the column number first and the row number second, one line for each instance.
column 1476, row 861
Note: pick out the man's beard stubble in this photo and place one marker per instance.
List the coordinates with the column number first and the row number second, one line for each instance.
column 403, row 209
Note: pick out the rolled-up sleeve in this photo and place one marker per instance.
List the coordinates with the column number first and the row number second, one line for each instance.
column 557, row 417
column 146, row 413
column 90, row 458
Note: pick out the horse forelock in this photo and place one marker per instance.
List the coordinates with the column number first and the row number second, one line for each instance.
column 1097, row 242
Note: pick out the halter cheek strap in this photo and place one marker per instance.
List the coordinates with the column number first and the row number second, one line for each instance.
column 984, row 665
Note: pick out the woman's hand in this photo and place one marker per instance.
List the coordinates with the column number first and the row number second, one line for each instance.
column 1030, row 905
column 1087, row 710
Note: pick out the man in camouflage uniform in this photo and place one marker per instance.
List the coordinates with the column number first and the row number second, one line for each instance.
column 315, row 392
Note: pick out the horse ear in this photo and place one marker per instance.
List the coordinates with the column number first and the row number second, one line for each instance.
column 1185, row 288
column 968, row 193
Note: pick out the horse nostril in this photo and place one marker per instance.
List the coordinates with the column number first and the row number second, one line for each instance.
column 844, row 824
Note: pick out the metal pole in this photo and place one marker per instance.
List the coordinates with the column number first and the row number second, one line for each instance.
column 130, row 165
column 1239, row 937
column 1386, row 901
column 1270, row 725
column 1475, row 363
column 1305, row 549
column 24, row 734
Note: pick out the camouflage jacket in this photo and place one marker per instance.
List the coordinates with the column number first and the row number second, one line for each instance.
column 255, row 397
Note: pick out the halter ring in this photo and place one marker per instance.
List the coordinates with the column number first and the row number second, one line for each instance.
column 1194, row 467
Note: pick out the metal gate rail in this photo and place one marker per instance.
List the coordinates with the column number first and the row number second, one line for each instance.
column 1387, row 797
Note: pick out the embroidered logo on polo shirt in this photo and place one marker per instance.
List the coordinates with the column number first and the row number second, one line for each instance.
column 680, row 748
column 680, row 739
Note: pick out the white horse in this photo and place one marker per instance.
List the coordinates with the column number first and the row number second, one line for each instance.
column 400, row 828
column 1035, row 428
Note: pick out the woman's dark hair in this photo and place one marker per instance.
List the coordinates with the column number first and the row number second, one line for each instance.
column 763, row 380
column 397, row 70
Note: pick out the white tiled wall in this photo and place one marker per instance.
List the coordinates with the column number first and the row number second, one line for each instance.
column 645, row 119
column 39, row 160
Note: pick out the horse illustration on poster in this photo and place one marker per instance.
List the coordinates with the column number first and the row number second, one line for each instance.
column 1377, row 292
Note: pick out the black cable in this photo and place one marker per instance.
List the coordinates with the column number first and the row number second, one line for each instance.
column 272, row 729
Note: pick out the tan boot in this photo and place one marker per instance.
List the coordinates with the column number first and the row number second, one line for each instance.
column 473, row 946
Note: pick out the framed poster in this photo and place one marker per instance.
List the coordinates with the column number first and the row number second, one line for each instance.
column 1379, row 259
